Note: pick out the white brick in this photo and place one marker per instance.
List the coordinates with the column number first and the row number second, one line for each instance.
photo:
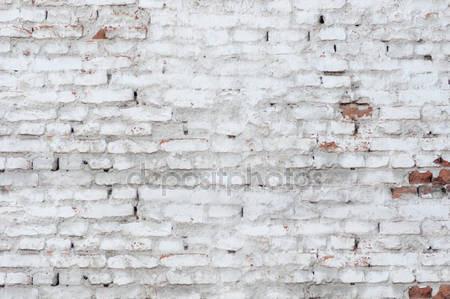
column 400, row 228
column 147, row 114
column 400, row 113
column 130, row 146
column 102, row 95
column 336, row 81
column 185, row 145
column 185, row 260
column 332, row 33
column 330, row 64
column 31, row 244
column 146, row 229
column 320, row 4
column 17, row 163
column 17, row 278
column 402, row 276
column 128, row 261
column 351, row 276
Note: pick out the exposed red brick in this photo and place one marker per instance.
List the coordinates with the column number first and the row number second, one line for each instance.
column 398, row 192
column 444, row 177
column 356, row 111
column 328, row 146
column 444, row 292
column 417, row 292
column 442, row 162
column 417, row 177
column 101, row 34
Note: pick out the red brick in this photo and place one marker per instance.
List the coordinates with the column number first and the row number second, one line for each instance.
column 356, row 111
column 417, row 177
column 417, row 292
column 444, row 177
column 101, row 34
column 398, row 192
column 328, row 146
column 442, row 162
column 444, row 292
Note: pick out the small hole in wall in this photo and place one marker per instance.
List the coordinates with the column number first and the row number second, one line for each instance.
column 428, row 57
column 185, row 128
column 308, row 37
column 321, row 20
column 334, row 48
column 267, row 36
column 56, row 165
column 387, row 48
column 55, row 280
column 356, row 244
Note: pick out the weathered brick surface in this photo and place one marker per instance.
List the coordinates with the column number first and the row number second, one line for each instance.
column 224, row 149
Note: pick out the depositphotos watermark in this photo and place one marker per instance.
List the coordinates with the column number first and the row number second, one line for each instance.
column 230, row 180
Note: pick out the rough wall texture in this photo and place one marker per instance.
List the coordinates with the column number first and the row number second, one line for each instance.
column 224, row 149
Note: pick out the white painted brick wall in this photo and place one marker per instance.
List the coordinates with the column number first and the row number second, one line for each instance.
column 224, row 149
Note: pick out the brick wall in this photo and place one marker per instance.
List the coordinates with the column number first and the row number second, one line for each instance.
column 224, row 149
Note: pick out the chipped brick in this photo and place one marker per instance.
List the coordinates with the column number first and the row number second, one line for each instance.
column 442, row 162
column 417, row 177
column 328, row 146
column 101, row 34
column 429, row 191
column 355, row 111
